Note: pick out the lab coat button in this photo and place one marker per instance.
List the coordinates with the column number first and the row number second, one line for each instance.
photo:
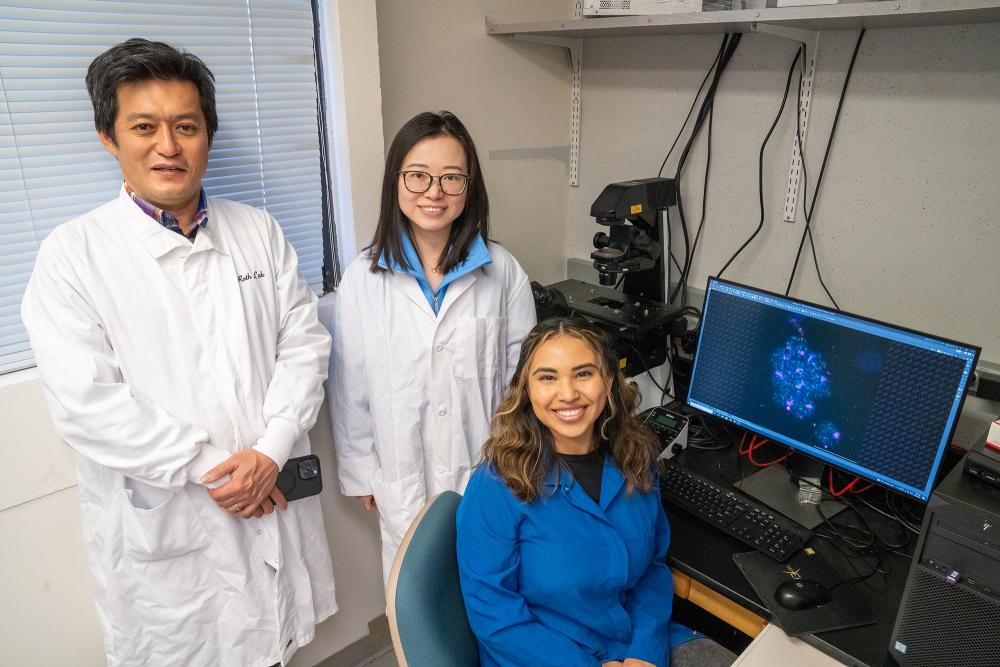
column 438, row 347
column 442, row 412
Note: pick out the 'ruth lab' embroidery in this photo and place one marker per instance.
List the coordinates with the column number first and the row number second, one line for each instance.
column 254, row 275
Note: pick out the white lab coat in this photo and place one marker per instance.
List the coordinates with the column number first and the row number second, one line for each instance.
column 159, row 358
column 411, row 392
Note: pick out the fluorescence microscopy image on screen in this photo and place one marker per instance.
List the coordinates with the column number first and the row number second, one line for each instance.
column 878, row 402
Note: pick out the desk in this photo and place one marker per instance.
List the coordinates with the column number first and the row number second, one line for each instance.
column 704, row 555
column 773, row 647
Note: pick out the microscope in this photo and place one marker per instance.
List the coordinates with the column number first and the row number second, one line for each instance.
column 629, row 256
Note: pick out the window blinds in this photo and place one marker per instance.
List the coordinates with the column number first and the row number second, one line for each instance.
column 52, row 168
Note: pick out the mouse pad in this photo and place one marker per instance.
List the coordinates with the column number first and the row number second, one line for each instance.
column 845, row 609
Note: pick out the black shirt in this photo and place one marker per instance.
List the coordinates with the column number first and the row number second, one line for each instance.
column 587, row 470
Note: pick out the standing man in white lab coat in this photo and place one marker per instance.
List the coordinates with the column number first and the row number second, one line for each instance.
column 183, row 361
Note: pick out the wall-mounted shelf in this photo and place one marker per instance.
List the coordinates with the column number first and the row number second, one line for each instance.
column 849, row 16
column 569, row 33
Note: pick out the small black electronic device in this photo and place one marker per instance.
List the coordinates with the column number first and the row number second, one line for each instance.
column 670, row 427
column 753, row 523
column 300, row 478
column 798, row 594
column 983, row 463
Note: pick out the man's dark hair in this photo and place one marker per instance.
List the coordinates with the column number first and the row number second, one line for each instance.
column 142, row 60
column 392, row 224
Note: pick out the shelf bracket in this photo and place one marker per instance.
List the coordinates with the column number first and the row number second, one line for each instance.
column 809, row 38
column 574, row 48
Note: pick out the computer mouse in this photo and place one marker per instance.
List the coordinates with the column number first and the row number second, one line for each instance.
column 798, row 594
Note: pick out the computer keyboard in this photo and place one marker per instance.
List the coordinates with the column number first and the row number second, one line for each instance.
column 735, row 513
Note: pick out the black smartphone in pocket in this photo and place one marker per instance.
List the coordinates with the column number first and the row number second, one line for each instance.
column 300, row 478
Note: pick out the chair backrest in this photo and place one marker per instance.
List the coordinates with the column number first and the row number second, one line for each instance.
column 424, row 603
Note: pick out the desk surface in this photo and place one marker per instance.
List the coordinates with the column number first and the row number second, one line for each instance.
column 705, row 554
column 773, row 647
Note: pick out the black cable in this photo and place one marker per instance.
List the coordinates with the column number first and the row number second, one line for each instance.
column 730, row 44
column 644, row 365
column 709, row 448
column 851, row 555
column 670, row 375
column 718, row 437
column 888, row 515
column 704, row 208
column 913, row 520
column 694, row 103
column 822, row 170
column 673, row 258
column 760, row 163
column 806, row 210
column 866, row 532
column 871, row 535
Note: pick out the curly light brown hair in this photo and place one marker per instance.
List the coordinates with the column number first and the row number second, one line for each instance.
column 521, row 448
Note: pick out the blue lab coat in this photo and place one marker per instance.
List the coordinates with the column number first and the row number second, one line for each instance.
column 564, row 581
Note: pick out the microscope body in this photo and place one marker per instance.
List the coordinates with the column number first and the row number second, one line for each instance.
column 632, row 249
column 631, row 253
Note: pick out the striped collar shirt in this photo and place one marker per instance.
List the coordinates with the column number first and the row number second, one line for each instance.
column 168, row 220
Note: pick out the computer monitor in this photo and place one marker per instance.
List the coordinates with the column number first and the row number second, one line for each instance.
column 875, row 400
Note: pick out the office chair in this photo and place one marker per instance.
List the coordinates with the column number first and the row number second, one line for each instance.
column 424, row 603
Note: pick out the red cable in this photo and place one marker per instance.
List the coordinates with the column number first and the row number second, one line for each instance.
column 848, row 487
column 743, row 451
column 755, row 445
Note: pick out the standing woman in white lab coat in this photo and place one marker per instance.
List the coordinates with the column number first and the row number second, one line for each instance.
column 429, row 321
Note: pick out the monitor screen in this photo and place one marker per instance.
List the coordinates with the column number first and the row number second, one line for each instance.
column 872, row 399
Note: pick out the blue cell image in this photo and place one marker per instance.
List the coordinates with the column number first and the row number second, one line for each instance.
column 828, row 435
column 799, row 375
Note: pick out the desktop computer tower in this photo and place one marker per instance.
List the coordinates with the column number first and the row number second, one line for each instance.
column 950, row 611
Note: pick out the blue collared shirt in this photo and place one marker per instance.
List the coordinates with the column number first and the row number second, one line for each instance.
column 479, row 256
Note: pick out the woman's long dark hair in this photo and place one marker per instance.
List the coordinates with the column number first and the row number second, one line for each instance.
column 392, row 224
column 520, row 447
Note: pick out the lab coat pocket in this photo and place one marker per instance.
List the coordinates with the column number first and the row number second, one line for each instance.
column 167, row 530
column 398, row 503
column 479, row 343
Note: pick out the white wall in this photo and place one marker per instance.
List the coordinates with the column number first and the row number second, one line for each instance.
column 46, row 611
column 908, row 221
column 349, row 33
column 46, row 608
column 512, row 96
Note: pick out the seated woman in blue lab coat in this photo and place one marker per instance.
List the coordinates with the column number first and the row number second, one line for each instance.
column 562, row 537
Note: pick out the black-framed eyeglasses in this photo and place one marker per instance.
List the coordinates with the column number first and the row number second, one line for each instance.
column 419, row 182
